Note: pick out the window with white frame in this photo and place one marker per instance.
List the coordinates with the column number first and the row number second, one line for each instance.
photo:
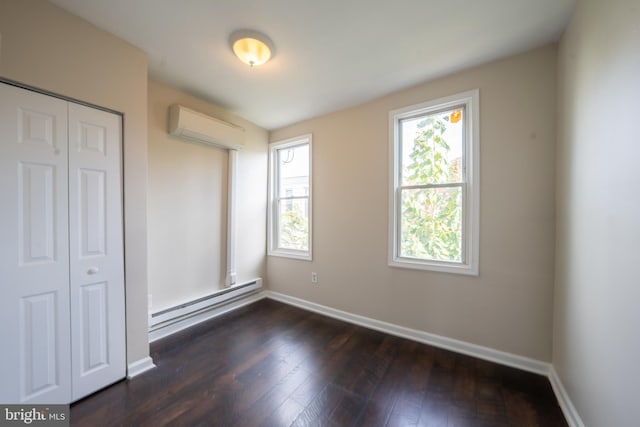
column 290, row 198
column 434, row 196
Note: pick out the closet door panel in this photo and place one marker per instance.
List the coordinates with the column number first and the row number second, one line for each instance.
column 34, row 262
column 96, row 250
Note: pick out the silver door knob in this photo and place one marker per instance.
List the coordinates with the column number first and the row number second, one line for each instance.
column 93, row 270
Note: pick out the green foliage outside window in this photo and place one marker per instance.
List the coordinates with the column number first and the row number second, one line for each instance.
column 431, row 218
column 294, row 228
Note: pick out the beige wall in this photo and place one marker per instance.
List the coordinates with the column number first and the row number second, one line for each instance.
column 509, row 305
column 46, row 47
column 187, row 204
column 596, row 342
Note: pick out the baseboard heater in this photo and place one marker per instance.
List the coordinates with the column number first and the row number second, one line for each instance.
column 163, row 318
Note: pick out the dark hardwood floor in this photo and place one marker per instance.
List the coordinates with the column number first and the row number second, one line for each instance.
column 270, row 364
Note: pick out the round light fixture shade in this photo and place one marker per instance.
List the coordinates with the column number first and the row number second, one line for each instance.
column 251, row 47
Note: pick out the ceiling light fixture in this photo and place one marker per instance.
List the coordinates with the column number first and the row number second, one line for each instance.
column 251, row 47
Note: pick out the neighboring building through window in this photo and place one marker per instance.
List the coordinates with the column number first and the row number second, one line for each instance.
column 290, row 198
column 434, row 197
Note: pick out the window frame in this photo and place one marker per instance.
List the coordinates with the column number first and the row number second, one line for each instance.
column 471, row 180
column 274, row 199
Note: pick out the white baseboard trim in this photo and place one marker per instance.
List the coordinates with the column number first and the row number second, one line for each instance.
column 139, row 366
column 162, row 331
column 458, row 346
column 569, row 411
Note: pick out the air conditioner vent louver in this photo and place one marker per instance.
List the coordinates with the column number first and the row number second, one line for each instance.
column 195, row 126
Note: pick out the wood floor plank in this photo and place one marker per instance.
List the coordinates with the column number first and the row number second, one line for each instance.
column 270, row 364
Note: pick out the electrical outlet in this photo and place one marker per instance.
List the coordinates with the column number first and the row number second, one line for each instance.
column 314, row 277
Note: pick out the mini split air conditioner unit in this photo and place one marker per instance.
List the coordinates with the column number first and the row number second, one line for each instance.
column 195, row 126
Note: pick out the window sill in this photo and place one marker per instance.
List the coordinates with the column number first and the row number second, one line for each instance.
column 441, row 267
column 303, row 256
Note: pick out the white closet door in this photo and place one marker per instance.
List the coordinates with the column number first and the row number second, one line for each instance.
column 96, row 250
column 34, row 264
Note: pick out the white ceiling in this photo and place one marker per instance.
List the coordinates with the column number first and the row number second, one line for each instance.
column 329, row 54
